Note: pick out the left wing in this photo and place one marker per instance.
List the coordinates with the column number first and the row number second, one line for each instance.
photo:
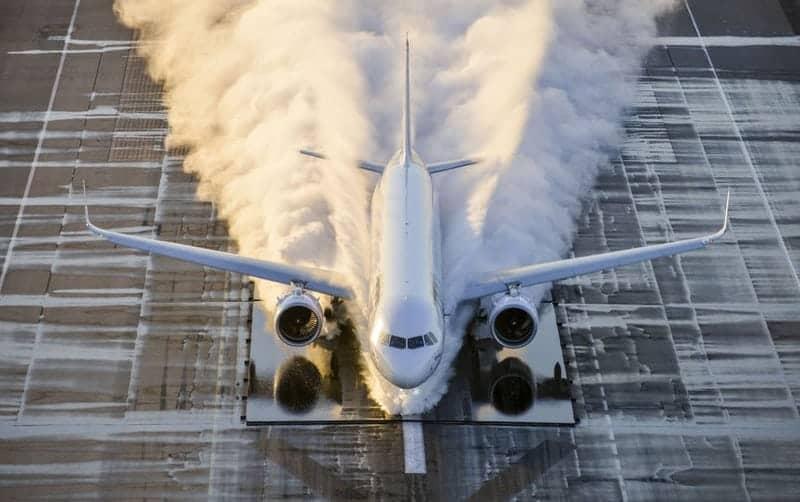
column 314, row 279
column 501, row 280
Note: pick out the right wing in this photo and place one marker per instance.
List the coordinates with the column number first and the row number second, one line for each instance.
column 321, row 281
column 501, row 280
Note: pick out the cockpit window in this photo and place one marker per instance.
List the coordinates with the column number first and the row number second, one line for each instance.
column 430, row 338
column 384, row 339
column 397, row 342
column 415, row 342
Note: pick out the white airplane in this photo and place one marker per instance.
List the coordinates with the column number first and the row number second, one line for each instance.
column 406, row 313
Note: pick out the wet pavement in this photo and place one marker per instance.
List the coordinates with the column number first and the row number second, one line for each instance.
column 120, row 374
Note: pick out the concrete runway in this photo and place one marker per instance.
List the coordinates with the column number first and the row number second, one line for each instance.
column 120, row 374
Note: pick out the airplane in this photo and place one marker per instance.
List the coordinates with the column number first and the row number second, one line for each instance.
column 406, row 312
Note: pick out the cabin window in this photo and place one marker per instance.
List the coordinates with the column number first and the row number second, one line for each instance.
column 397, row 342
column 415, row 342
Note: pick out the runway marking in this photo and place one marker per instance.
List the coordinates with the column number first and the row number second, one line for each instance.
column 746, row 151
column 729, row 41
column 703, row 387
column 10, row 250
column 743, row 146
column 42, row 134
column 39, row 52
column 219, row 383
column 97, row 113
column 145, row 301
column 414, row 446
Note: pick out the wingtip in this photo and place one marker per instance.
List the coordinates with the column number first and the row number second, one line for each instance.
column 85, row 206
column 719, row 233
column 727, row 207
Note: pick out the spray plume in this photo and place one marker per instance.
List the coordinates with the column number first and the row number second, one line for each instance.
column 535, row 88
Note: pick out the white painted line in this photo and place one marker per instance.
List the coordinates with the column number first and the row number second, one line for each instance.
column 9, row 252
column 414, row 447
column 40, row 52
column 743, row 146
column 746, row 152
column 729, row 41
column 39, row 144
column 144, row 310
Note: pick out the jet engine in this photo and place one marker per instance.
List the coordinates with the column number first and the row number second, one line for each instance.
column 513, row 320
column 298, row 318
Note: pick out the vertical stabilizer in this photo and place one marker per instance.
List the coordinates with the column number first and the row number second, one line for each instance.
column 407, row 113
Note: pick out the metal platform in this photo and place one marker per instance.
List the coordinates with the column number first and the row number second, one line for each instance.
column 322, row 383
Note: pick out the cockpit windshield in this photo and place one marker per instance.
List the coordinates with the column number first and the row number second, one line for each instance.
column 415, row 342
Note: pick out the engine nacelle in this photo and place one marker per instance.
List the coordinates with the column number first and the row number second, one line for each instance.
column 513, row 321
column 298, row 318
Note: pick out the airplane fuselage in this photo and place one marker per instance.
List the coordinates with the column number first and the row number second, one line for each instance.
column 406, row 316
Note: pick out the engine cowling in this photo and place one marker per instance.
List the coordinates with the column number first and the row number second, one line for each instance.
column 298, row 318
column 513, row 321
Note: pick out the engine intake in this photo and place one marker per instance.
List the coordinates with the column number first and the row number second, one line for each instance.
column 514, row 321
column 298, row 318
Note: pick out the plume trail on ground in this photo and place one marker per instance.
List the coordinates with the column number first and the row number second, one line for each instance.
column 536, row 88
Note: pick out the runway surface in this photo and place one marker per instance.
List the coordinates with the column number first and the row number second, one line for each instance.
column 120, row 374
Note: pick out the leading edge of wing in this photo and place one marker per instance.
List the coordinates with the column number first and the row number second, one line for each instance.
column 500, row 280
column 319, row 280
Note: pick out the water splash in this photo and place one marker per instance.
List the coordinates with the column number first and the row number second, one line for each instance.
column 535, row 88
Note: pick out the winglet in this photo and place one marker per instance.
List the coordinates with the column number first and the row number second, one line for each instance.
column 727, row 206
column 719, row 233
column 85, row 206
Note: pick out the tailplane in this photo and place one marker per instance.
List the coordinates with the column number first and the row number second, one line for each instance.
column 407, row 151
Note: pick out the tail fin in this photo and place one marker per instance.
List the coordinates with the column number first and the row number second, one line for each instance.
column 407, row 113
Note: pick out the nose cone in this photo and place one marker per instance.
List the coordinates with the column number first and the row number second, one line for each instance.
column 406, row 368
column 405, row 339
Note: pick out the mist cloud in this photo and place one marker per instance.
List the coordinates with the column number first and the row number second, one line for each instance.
column 536, row 88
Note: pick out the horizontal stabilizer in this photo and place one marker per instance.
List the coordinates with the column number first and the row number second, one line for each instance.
column 363, row 164
column 439, row 167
